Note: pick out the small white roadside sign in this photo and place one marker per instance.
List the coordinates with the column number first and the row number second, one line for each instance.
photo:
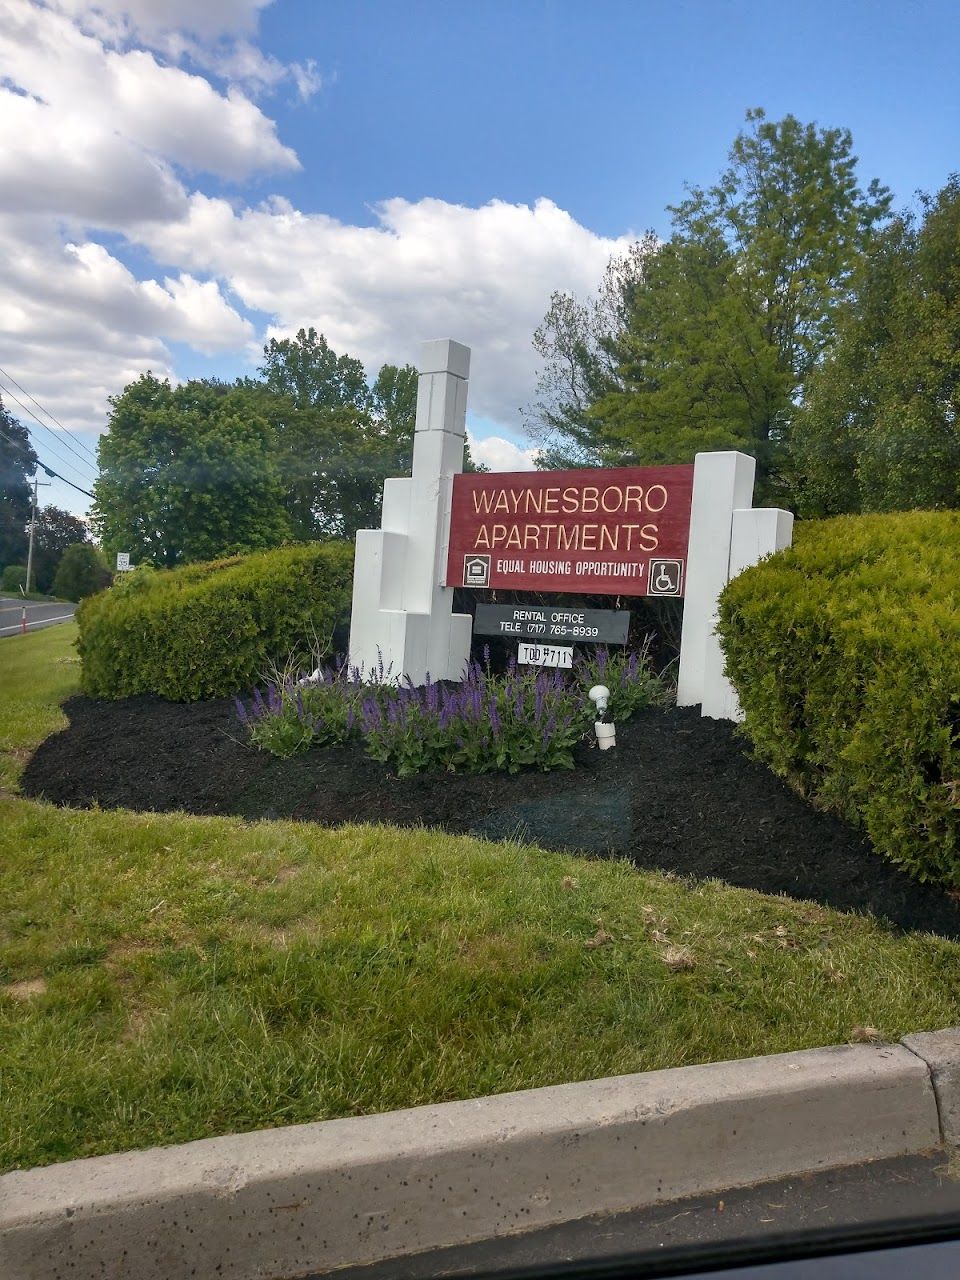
column 123, row 561
column 545, row 655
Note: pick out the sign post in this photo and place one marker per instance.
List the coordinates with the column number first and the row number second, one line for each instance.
column 665, row 532
column 402, row 613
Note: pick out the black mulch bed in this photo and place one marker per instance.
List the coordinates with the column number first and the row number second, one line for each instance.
column 679, row 793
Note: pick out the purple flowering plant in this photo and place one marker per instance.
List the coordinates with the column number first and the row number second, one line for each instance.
column 525, row 718
column 521, row 719
column 628, row 675
column 294, row 714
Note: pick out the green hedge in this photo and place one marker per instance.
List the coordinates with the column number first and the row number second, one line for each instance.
column 845, row 652
column 211, row 629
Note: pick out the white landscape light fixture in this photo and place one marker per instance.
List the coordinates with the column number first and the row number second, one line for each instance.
column 599, row 695
column 606, row 733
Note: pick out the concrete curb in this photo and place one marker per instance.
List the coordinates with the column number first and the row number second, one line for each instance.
column 940, row 1050
column 283, row 1202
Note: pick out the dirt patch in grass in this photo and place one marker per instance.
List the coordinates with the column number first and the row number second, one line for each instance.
column 26, row 990
column 679, row 794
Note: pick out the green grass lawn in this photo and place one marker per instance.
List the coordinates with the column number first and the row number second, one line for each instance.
column 164, row 978
column 37, row 671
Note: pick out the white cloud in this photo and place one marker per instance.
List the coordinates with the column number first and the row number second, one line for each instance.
column 153, row 19
column 76, row 325
column 307, row 78
column 97, row 135
column 211, row 34
column 112, row 110
column 499, row 454
column 428, row 269
column 52, row 163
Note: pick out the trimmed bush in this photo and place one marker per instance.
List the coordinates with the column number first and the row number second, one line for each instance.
column 14, row 577
column 845, row 652
column 213, row 629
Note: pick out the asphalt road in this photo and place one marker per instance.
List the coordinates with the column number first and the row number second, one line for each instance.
column 39, row 615
column 863, row 1199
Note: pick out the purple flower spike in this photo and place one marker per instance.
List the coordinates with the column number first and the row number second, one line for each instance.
column 372, row 718
column 241, row 712
column 494, row 717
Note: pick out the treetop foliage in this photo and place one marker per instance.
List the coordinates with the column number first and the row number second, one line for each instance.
column 706, row 340
column 54, row 532
column 879, row 429
column 210, row 468
column 188, row 473
column 312, row 375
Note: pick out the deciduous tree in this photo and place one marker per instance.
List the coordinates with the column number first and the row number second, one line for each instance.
column 188, row 473
column 717, row 331
column 306, row 369
column 337, row 438
column 82, row 572
column 576, row 342
column 55, row 530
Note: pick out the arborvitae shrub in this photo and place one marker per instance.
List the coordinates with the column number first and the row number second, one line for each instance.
column 845, row 652
column 213, row 629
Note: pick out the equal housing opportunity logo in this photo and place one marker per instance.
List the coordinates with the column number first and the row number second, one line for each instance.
column 476, row 571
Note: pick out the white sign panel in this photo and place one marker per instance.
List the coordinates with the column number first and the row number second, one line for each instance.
column 123, row 561
column 545, row 655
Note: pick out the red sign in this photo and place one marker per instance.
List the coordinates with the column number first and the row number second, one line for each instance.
column 605, row 531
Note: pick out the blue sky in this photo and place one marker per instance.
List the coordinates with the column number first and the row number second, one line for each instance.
column 607, row 108
column 180, row 180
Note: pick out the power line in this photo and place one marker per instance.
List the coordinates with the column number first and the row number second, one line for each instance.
column 49, row 431
column 49, row 470
column 63, row 460
column 10, row 378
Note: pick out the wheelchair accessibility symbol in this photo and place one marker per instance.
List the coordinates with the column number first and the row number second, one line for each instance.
column 665, row 578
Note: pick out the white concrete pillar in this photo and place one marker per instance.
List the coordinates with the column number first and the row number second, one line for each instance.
column 722, row 483
column 400, row 611
column 755, row 533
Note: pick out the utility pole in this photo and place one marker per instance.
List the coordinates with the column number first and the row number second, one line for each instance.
column 33, row 521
